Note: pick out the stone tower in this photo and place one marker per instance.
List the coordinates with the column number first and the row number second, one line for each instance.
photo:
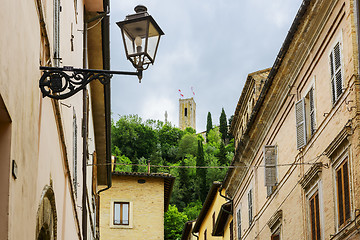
column 187, row 113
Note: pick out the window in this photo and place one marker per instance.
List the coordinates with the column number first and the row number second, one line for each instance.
column 336, row 72
column 185, row 112
column 270, row 159
column 121, row 213
column 343, row 193
column 238, row 219
column 315, row 216
column 310, row 113
column 205, row 234
column 231, row 230
column 250, row 206
column 275, row 236
column 213, row 220
column 305, row 118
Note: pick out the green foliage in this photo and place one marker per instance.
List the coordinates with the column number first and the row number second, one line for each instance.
column 174, row 222
column 201, row 172
column 223, row 126
column 213, row 137
column 187, row 145
column 193, row 209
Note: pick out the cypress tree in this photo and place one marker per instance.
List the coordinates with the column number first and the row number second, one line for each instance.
column 223, row 126
column 201, row 172
column 209, row 125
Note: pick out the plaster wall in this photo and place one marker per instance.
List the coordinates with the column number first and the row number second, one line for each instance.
column 301, row 72
column 207, row 223
column 146, row 208
column 36, row 142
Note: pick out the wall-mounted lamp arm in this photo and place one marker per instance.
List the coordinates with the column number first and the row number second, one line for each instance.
column 64, row 82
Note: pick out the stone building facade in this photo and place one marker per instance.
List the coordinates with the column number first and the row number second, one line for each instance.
column 296, row 168
column 134, row 207
column 45, row 144
column 187, row 113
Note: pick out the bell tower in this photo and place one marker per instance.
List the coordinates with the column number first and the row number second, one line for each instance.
column 187, row 113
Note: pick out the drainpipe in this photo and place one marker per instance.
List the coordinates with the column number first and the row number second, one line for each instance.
column 228, row 199
column 195, row 235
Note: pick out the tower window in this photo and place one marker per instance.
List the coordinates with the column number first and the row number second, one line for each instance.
column 185, row 112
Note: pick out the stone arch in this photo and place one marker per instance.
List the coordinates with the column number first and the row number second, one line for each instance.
column 46, row 224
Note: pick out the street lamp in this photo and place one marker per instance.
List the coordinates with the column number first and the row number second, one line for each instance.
column 141, row 36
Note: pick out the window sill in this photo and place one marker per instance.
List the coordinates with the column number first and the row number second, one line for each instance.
column 121, row 226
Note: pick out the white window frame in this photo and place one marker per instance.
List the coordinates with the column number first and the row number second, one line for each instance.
column 112, row 202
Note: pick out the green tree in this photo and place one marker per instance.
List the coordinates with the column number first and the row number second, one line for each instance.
column 223, row 126
column 187, row 145
column 201, row 172
column 193, row 209
column 222, row 155
column 174, row 222
column 209, row 125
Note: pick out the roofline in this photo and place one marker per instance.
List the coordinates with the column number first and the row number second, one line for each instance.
column 208, row 201
column 283, row 50
column 169, row 181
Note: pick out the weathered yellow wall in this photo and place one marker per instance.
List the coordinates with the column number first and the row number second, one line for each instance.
column 207, row 223
column 147, row 211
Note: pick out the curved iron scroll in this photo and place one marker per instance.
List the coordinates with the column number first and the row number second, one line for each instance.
column 60, row 85
column 57, row 84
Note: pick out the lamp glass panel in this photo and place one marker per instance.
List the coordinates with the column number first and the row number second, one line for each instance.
column 152, row 44
column 129, row 44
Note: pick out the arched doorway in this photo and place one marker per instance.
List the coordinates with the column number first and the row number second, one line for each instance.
column 46, row 224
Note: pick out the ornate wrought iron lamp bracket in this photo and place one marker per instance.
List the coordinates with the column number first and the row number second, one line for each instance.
column 61, row 83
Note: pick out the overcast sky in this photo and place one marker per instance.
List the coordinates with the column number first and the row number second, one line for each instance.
column 209, row 45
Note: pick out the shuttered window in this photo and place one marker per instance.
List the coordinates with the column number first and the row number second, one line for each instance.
column 250, row 206
column 305, row 118
column 315, row 217
column 121, row 213
column 300, row 123
column 343, row 193
column 238, row 219
column 270, row 160
column 336, row 72
column 310, row 113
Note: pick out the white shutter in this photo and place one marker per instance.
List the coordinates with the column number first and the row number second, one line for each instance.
column 300, row 123
column 336, row 72
column 270, row 158
column 250, row 206
column 239, row 223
